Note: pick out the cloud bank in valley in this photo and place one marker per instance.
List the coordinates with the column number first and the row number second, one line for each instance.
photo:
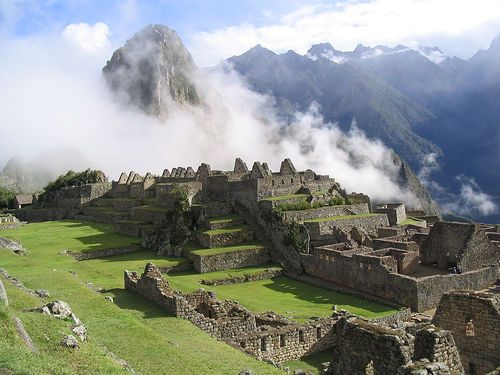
column 55, row 97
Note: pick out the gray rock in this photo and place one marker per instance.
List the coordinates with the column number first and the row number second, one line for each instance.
column 59, row 308
column 246, row 372
column 80, row 331
column 109, row 298
column 69, row 341
column 42, row 293
column 3, row 295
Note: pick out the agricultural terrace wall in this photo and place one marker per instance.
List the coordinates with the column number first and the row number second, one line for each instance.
column 329, row 211
column 229, row 260
column 46, row 214
column 289, row 342
column 322, row 230
column 474, row 320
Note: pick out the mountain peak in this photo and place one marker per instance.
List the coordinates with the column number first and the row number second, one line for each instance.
column 495, row 44
column 151, row 71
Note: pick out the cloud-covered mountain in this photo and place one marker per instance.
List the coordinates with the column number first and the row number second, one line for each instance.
column 151, row 71
column 345, row 93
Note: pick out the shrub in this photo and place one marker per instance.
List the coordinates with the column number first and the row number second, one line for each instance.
column 292, row 206
column 293, row 238
column 72, row 178
column 6, row 196
column 319, row 204
column 336, row 201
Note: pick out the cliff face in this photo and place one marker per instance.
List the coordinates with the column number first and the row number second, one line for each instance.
column 151, row 71
column 408, row 180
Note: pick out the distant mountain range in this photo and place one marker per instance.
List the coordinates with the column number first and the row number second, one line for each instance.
column 417, row 101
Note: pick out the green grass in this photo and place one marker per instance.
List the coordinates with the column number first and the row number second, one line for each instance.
column 283, row 197
column 133, row 222
column 153, row 208
column 107, row 210
column 132, row 327
column 332, row 218
column 311, row 363
column 213, row 232
column 225, row 219
column 46, row 334
column 410, row 221
column 199, row 250
column 281, row 294
column 218, row 275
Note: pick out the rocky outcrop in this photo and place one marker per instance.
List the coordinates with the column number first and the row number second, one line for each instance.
column 151, row 71
column 409, row 181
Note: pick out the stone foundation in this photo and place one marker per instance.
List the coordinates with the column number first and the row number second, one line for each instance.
column 229, row 260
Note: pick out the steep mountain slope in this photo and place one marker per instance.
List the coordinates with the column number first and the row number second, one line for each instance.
column 151, row 71
column 344, row 93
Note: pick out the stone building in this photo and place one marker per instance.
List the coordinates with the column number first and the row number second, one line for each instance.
column 22, row 200
column 474, row 320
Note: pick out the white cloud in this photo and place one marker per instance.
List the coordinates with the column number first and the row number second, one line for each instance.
column 459, row 27
column 90, row 38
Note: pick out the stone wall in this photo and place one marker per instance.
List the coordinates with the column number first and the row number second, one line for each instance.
column 225, row 239
column 129, row 228
column 377, row 275
column 395, row 243
column 46, row 214
column 229, row 260
column 270, row 273
column 102, row 253
column 395, row 212
column 328, row 211
column 431, row 288
column 363, row 348
column 458, row 244
column 289, row 342
column 323, row 230
column 474, row 320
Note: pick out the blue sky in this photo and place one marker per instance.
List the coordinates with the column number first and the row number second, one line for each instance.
column 214, row 30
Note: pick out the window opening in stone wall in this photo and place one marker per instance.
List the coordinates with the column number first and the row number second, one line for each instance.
column 291, row 180
column 369, row 369
column 282, row 341
column 262, row 345
column 272, row 182
column 243, row 344
column 282, row 182
column 469, row 328
column 301, row 336
column 318, row 332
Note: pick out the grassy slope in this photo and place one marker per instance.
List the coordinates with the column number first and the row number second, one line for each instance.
column 46, row 333
column 133, row 328
column 283, row 197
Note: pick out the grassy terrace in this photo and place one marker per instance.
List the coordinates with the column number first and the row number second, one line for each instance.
column 153, row 208
column 217, row 275
column 282, row 294
column 225, row 219
column 132, row 327
column 107, row 210
column 214, row 232
column 283, row 197
column 199, row 250
column 111, row 200
column 133, row 222
column 333, row 218
column 410, row 221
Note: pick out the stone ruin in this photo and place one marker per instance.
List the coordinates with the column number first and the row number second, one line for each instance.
column 345, row 247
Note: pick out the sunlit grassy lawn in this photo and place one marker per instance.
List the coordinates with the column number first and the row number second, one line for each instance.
column 132, row 327
column 281, row 295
